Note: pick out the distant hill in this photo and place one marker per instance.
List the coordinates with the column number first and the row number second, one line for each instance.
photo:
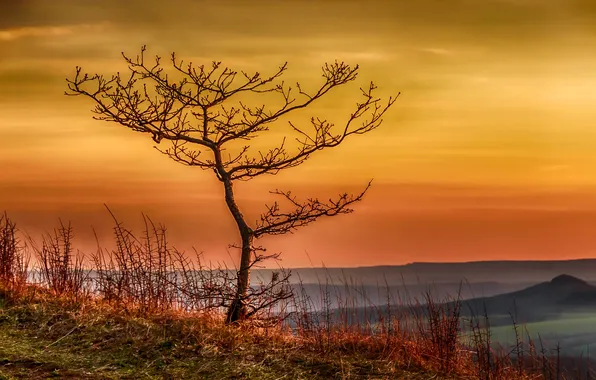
column 543, row 301
column 361, row 295
column 425, row 273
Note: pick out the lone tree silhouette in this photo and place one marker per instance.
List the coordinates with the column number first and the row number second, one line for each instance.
column 194, row 115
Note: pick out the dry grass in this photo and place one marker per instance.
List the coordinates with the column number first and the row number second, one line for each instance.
column 148, row 311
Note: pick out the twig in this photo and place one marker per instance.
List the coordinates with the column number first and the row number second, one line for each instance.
column 67, row 334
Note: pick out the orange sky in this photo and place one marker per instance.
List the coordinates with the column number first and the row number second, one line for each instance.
column 490, row 152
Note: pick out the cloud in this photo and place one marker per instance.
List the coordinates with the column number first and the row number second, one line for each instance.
column 436, row 51
column 349, row 56
column 50, row 31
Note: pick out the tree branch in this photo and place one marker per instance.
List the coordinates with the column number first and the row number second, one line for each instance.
column 277, row 222
column 190, row 114
column 319, row 138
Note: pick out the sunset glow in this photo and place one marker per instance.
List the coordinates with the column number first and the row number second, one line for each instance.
column 489, row 152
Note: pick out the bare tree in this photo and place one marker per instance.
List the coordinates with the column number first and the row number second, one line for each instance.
column 195, row 115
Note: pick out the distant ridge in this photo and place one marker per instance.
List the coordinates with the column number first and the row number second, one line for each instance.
column 498, row 262
column 501, row 271
column 458, row 263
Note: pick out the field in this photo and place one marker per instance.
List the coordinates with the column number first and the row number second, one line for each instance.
column 573, row 332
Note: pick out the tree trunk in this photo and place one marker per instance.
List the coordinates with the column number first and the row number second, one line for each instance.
column 237, row 309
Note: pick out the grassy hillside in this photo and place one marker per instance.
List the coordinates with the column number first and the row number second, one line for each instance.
column 150, row 313
column 45, row 338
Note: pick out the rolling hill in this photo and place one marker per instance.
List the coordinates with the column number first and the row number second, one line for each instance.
column 564, row 294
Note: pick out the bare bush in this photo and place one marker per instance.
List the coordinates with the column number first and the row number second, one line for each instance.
column 138, row 273
column 14, row 258
column 440, row 326
column 61, row 267
column 148, row 275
